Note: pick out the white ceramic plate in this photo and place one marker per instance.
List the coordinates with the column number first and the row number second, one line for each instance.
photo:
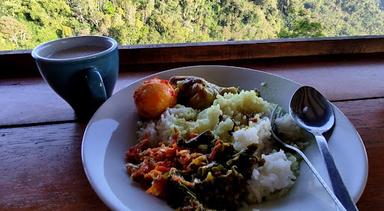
column 112, row 130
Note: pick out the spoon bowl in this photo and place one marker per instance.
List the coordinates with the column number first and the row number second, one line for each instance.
column 311, row 110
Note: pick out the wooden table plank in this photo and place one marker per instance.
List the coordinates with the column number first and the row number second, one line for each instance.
column 365, row 80
column 41, row 165
column 41, row 169
column 337, row 80
column 47, row 106
column 364, row 113
column 28, row 101
column 32, row 102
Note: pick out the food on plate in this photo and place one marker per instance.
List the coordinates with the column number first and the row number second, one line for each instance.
column 153, row 97
column 211, row 148
column 197, row 92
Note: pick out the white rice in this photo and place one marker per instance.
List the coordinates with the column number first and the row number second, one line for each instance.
column 274, row 175
column 257, row 133
column 148, row 131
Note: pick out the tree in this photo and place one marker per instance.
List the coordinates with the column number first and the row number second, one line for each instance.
column 14, row 32
column 26, row 23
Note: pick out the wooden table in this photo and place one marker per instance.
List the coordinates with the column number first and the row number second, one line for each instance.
column 40, row 138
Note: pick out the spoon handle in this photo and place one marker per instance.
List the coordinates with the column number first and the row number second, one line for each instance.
column 337, row 182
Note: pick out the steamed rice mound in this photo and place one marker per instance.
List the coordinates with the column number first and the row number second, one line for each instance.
column 258, row 133
column 240, row 119
column 274, row 175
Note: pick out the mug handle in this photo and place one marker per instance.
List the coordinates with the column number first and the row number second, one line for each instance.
column 95, row 85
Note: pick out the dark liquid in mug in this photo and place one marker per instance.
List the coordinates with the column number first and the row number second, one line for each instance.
column 77, row 52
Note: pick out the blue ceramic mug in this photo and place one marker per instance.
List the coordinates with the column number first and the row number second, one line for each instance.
column 82, row 70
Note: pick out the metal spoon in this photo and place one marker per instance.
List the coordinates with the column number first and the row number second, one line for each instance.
column 311, row 111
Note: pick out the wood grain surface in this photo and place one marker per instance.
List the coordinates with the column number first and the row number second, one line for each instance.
column 41, row 165
column 337, row 80
column 46, row 105
column 41, row 169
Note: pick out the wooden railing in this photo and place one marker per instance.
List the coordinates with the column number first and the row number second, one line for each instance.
column 173, row 55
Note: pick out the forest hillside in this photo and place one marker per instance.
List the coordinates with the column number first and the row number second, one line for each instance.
column 26, row 23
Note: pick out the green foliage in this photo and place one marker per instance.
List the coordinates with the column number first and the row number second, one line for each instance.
column 302, row 28
column 14, row 32
column 26, row 23
column 108, row 8
column 301, row 24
